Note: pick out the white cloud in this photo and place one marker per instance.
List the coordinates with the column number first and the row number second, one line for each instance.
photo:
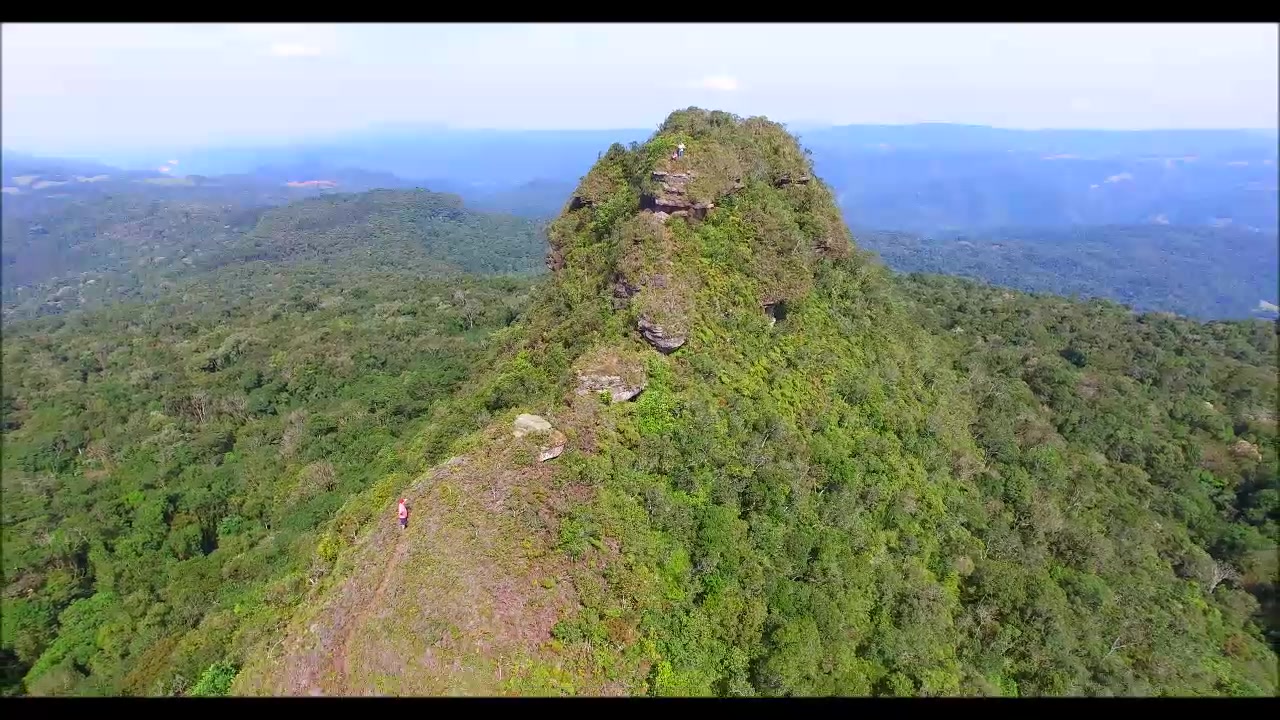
column 294, row 50
column 1118, row 178
column 720, row 83
column 290, row 39
column 173, row 162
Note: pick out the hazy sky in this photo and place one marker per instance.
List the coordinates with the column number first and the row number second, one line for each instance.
column 81, row 87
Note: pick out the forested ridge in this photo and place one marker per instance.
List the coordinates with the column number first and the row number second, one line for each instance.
column 834, row 480
column 1209, row 273
column 138, row 246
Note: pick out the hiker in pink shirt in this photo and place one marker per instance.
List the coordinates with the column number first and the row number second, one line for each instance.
column 402, row 511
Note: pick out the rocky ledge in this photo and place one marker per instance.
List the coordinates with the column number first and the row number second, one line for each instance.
column 656, row 336
column 672, row 197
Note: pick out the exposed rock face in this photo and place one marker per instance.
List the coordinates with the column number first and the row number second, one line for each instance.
column 615, row 369
column 525, row 424
column 775, row 309
column 534, row 424
column 554, row 447
column 619, row 390
column 673, row 198
column 790, row 180
column 555, row 259
column 657, row 337
column 622, row 292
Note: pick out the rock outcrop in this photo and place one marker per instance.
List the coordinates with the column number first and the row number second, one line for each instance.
column 623, row 291
column 619, row 390
column 773, row 309
column 651, row 280
column 527, row 424
column 658, row 337
column 555, row 259
column 671, row 198
column 788, row 179
column 554, row 447
column 616, row 370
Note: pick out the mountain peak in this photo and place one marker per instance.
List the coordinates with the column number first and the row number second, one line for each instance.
column 681, row 265
column 635, row 217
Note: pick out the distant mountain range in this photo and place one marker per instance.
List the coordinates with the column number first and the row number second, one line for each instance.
column 931, row 178
column 1176, row 220
column 34, row 186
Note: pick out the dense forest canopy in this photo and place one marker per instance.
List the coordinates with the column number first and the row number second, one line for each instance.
column 1202, row 272
column 166, row 466
column 134, row 246
column 834, row 480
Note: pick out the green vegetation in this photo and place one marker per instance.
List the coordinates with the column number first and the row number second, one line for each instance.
column 138, row 247
column 406, row 227
column 1130, row 499
column 168, row 469
column 1203, row 272
column 903, row 486
column 854, row 502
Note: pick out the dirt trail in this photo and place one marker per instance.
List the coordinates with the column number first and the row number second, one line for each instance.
column 357, row 622
column 462, row 602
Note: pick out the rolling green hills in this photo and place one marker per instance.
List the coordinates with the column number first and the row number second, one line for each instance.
column 1202, row 272
column 138, row 247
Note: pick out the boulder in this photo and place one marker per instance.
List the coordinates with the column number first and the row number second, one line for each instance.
column 526, row 424
column 535, row 424
column 623, row 289
column 618, row 389
column 554, row 448
column 656, row 336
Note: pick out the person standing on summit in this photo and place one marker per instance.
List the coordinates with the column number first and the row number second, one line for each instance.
column 402, row 511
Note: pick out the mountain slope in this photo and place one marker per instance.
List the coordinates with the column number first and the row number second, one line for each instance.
column 392, row 229
column 792, row 503
column 1203, row 272
column 92, row 251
